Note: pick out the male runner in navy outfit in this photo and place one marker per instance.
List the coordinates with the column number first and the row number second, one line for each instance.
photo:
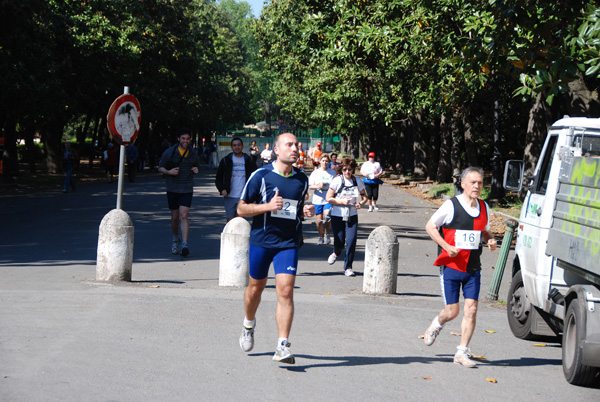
column 464, row 221
column 274, row 195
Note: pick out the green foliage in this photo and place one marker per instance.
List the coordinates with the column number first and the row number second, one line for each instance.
column 587, row 43
column 182, row 59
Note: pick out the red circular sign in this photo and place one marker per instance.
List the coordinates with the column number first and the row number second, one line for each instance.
column 124, row 118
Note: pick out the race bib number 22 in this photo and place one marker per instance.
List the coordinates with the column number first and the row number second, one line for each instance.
column 288, row 211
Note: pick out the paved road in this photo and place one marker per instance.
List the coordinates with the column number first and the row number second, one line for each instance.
column 171, row 334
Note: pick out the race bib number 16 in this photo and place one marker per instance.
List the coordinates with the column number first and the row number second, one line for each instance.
column 288, row 211
column 467, row 239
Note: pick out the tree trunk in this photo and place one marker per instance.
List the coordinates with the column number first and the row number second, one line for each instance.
column 29, row 133
column 582, row 101
column 10, row 158
column 537, row 127
column 457, row 142
column 52, row 136
column 444, row 170
column 419, row 146
column 433, row 150
column 403, row 160
column 470, row 147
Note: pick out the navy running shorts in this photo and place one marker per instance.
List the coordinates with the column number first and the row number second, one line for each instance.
column 285, row 261
column 452, row 280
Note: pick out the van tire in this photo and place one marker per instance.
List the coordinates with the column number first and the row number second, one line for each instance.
column 575, row 371
column 519, row 310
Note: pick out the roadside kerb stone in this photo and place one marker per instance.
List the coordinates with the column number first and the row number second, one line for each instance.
column 115, row 247
column 234, row 263
column 381, row 262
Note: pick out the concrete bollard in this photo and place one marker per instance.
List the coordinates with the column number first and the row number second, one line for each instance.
column 115, row 247
column 235, row 244
column 381, row 262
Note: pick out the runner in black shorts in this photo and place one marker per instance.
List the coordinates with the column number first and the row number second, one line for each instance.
column 179, row 163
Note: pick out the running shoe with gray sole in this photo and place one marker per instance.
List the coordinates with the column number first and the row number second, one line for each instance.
column 464, row 359
column 432, row 332
column 247, row 339
column 284, row 355
column 175, row 246
column 332, row 258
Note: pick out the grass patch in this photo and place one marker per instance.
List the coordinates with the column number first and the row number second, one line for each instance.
column 441, row 189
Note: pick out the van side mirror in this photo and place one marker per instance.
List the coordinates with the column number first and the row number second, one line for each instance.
column 513, row 175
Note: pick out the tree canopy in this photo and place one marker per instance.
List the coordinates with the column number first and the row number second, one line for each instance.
column 427, row 84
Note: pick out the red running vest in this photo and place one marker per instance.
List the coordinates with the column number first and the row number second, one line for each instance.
column 466, row 260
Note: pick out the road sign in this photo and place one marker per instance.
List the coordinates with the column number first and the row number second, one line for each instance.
column 123, row 120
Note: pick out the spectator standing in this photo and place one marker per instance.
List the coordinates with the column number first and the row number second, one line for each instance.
column 179, row 163
column 132, row 154
column 371, row 171
column 346, row 194
column 232, row 174
column 70, row 158
column 111, row 161
column 214, row 156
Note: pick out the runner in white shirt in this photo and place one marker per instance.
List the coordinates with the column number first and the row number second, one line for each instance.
column 319, row 181
column 371, row 171
column 346, row 194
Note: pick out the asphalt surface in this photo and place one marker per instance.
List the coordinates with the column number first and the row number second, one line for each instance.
column 172, row 333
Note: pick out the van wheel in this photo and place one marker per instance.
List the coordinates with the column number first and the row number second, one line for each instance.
column 575, row 371
column 519, row 310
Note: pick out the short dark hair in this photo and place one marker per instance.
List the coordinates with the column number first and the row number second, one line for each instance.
column 347, row 162
column 333, row 154
column 237, row 139
column 184, row 130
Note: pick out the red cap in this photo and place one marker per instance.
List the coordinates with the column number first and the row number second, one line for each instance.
column 371, row 154
column 318, row 143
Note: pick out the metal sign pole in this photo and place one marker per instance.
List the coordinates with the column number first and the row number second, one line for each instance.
column 121, row 168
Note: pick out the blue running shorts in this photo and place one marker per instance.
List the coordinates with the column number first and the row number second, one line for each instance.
column 319, row 209
column 451, row 281
column 285, row 261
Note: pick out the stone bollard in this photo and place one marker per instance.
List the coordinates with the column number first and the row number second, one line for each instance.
column 235, row 244
column 115, row 247
column 381, row 262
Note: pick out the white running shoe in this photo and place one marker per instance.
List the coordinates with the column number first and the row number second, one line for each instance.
column 247, row 339
column 283, row 354
column 320, row 241
column 349, row 272
column 327, row 239
column 370, row 208
column 375, row 208
column 432, row 332
column 175, row 246
column 463, row 357
column 332, row 258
